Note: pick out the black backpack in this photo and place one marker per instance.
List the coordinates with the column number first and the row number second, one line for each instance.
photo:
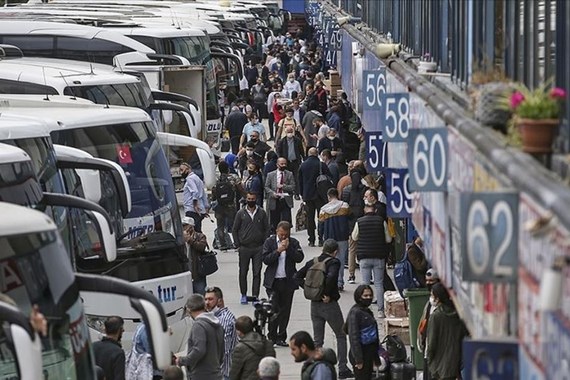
column 324, row 183
column 224, row 191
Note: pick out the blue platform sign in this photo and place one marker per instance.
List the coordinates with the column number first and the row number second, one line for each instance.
column 395, row 116
column 377, row 151
column 489, row 229
column 491, row 359
column 373, row 86
column 398, row 195
column 427, row 159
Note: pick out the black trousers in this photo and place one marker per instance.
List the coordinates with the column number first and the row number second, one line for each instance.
column 224, row 221
column 293, row 166
column 369, row 356
column 271, row 120
column 282, row 300
column 247, row 255
column 282, row 212
column 197, row 220
column 313, row 207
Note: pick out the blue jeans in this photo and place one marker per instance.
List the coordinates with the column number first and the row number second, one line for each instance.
column 199, row 285
column 341, row 256
column 366, row 268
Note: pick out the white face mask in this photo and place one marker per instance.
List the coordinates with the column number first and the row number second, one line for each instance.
column 331, row 137
column 291, row 80
column 249, row 152
column 289, row 135
column 433, row 302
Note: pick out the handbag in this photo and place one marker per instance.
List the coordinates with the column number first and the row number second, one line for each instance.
column 369, row 335
column 207, row 263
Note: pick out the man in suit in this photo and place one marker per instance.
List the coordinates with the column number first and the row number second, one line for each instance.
column 291, row 148
column 308, row 173
column 279, row 186
column 281, row 253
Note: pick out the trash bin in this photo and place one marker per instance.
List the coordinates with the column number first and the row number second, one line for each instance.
column 417, row 299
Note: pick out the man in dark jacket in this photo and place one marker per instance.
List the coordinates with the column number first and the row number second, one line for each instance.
column 372, row 249
column 291, row 148
column 235, row 122
column 109, row 354
column 318, row 363
column 329, row 160
column 252, row 347
column 251, row 227
column 205, row 342
column 308, row 173
column 327, row 309
column 281, row 253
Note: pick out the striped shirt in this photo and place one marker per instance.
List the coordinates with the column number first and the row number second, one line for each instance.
column 228, row 322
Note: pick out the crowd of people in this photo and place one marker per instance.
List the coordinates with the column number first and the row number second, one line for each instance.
column 302, row 154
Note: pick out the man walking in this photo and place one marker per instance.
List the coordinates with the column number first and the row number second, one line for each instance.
column 214, row 299
column 196, row 244
column 327, row 308
column 252, row 347
column 281, row 253
column 224, row 193
column 195, row 198
column 308, row 173
column 205, row 342
column 372, row 248
column 251, row 227
column 291, row 148
column 235, row 122
column 109, row 354
column 279, row 187
column 333, row 221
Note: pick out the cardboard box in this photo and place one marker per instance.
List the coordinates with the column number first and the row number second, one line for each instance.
column 334, row 77
column 395, row 305
column 398, row 326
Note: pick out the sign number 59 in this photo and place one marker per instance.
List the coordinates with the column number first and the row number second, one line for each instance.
column 489, row 223
column 399, row 197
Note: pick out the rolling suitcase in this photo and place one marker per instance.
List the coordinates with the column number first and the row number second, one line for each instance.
column 402, row 371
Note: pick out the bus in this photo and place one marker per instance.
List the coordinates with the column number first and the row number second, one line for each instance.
column 37, row 271
column 150, row 251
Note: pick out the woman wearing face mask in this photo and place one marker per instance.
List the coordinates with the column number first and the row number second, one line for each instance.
column 362, row 330
column 445, row 333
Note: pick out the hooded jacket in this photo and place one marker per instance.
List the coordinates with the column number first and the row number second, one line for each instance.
column 445, row 335
column 205, row 349
column 334, row 218
column 247, row 355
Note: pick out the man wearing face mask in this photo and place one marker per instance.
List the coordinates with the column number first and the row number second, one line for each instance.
column 251, row 227
column 331, row 142
column 291, row 85
column 252, row 126
column 254, row 149
column 109, row 354
column 215, row 304
column 279, row 187
column 291, row 148
column 431, row 278
column 205, row 353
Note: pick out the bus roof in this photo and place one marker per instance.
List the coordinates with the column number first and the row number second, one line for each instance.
column 17, row 220
column 60, row 74
column 26, row 27
column 70, row 113
column 15, row 127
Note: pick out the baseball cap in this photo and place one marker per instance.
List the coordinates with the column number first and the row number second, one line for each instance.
column 431, row 274
column 188, row 221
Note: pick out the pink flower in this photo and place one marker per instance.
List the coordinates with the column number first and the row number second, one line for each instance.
column 516, row 99
column 557, row 92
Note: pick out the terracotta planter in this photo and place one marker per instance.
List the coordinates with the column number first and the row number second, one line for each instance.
column 537, row 134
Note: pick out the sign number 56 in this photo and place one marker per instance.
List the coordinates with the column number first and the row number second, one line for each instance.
column 374, row 86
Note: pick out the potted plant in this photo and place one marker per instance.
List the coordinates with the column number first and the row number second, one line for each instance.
column 537, row 115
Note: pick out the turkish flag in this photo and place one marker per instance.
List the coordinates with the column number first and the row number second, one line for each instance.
column 124, row 154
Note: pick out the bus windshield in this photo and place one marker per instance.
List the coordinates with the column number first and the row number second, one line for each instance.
column 120, row 94
column 134, row 146
column 18, row 184
column 36, row 271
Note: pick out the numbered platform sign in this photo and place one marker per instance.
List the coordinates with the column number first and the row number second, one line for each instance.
column 336, row 40
column 398, row 194
column 377, row 151
column 489, row 236
column 373, row 86
column 395, row 116
column 491, row 359
column 427, row 159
